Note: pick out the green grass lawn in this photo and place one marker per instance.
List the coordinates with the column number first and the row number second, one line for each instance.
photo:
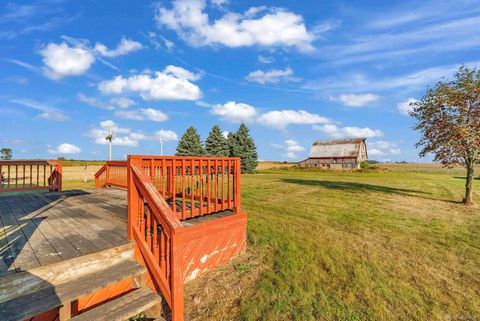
column 393, row 245
column 378, row 245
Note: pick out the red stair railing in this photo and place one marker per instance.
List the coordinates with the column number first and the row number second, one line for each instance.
column 207, row 184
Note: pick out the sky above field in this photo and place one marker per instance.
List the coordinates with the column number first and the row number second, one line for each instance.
column 293, row 71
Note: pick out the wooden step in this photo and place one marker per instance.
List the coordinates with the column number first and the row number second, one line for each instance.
column 122, row 308
column 17, row 284
column 28, row 294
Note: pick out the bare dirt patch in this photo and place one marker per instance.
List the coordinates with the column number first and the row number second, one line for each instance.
column 210, row 295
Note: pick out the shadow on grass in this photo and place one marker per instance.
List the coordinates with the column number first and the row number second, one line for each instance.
column 355, row 187
column 464, row 178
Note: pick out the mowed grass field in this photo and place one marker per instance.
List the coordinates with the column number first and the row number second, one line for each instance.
column 393, row 244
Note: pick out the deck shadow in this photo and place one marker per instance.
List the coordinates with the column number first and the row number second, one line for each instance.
column 354, row 187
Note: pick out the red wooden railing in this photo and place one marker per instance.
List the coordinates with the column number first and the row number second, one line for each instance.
column 155, row 185
column 154, row 226
column 29, row 175
column 113, row 173
column 192, row 186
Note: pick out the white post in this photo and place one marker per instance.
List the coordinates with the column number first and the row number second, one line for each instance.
column 109, row 138
column 161, row 147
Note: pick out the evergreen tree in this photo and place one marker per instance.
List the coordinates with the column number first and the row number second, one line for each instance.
column 190, row 144
column 231, row 144
column 216, row 144
column 244, row 147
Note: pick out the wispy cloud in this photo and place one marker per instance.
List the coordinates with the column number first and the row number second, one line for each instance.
column 23, row 64
column 433, row 27
column 37, row 16
column 361, row 82
column 47, row 112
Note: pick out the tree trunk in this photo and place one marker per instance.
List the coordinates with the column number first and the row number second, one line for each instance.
column 468, row 199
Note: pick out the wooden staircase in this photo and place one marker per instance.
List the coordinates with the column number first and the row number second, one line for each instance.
column 67, row 290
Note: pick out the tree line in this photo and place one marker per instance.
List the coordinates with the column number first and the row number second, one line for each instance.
column 238, row 144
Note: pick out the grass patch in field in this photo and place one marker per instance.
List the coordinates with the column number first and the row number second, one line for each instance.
column 375, row 245
column 73, row 184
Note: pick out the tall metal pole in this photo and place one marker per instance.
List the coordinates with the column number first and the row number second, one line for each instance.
column 109, row 138
column 161, row 147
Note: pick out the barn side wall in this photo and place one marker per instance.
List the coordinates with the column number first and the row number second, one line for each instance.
column 331, row 163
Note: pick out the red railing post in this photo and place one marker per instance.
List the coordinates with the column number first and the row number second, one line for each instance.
column 107, row 173
column 58, row 176
column 133, row 197
column 237, row 176
column 177, row 305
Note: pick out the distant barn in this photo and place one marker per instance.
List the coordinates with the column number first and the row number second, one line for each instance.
column 337, row 154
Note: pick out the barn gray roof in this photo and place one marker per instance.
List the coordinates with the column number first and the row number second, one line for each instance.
column 336, row 148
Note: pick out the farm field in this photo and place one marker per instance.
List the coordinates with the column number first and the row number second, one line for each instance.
column 388, row 244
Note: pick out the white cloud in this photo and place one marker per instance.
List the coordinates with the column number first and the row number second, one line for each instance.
column 220, row 2
column 265, row 59
column 274, row 27
column 61, row 60
column 234, row 112
column 165, row 135
column 158, row 41
column 114, row 103
column 125, row 46
column 280, row 119
column 173, row 83
column 404, row 107
column 47, row 112
column 203, row 104
column 344, row 132
column 383, row 148
column 65, row 149
column 272, row 76
column 122, row 102
column 352, row 100
column 290, row 147
column 359, row 82
column 142, row 114
column 293, row 146
column 121, row 136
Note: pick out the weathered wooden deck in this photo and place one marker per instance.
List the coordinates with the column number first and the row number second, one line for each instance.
column 38, row 229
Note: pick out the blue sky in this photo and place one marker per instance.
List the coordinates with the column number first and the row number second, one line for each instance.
column 293, row 71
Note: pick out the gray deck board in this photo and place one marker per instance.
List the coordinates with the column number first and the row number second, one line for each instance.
column 42, row 228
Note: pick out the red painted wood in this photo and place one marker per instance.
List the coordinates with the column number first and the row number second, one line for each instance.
column 212, row 244
column 52, row 182
column 172, row 253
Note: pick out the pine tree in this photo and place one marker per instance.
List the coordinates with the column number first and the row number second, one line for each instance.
column 244, row 147
column 190, row 144
column 216, row 144
column 231, row 144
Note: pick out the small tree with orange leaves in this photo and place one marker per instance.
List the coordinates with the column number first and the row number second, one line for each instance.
column 448, row 117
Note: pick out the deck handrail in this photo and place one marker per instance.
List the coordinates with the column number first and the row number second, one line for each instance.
column 153, row 222
column 30, row 175
column 193, row 186
column 112, row 173
column 196, row 186
column 155, row 228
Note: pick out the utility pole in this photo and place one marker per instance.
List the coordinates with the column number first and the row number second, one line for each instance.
column 109, row 138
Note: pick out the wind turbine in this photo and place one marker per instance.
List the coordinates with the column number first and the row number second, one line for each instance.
column 109, row 137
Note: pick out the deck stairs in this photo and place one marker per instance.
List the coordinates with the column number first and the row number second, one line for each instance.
column 56, row 289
